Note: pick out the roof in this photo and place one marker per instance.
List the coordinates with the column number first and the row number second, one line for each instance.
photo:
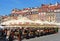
column 43, row 8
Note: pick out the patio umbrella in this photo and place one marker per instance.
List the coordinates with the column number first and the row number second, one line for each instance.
column 38, row 21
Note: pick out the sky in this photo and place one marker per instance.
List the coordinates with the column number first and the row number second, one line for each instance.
column 6, row 6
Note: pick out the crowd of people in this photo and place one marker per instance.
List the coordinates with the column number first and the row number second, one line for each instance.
column 21, row 33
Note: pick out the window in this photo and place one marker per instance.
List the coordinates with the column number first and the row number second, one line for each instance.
column 34, row 12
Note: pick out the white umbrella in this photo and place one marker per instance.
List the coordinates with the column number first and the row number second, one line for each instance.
column 57, row 23
column 4, row 23
column 38, row 21
column 24, row 20
column 46, row 22
column 8, row 22
column 19, row 21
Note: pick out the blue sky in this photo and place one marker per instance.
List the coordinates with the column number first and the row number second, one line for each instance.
column 7, row 5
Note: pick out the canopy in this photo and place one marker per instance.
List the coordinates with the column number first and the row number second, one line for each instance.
column 38, row 21
column 22, row 20
column 8, row 22
column 46, row 22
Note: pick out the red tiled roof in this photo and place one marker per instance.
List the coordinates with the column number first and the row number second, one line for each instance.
column 52, row 7
column 26, row 8
column 4, row 17
column 45, row 8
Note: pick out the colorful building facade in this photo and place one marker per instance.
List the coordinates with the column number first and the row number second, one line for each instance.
column 44, row 13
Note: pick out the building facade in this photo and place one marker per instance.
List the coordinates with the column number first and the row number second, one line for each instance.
column 45, row 12
column 50, row 16
column 57, row 16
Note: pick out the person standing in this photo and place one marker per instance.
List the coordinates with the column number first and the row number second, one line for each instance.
column 11, row 36
column 20, row 34
column 5, row 34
